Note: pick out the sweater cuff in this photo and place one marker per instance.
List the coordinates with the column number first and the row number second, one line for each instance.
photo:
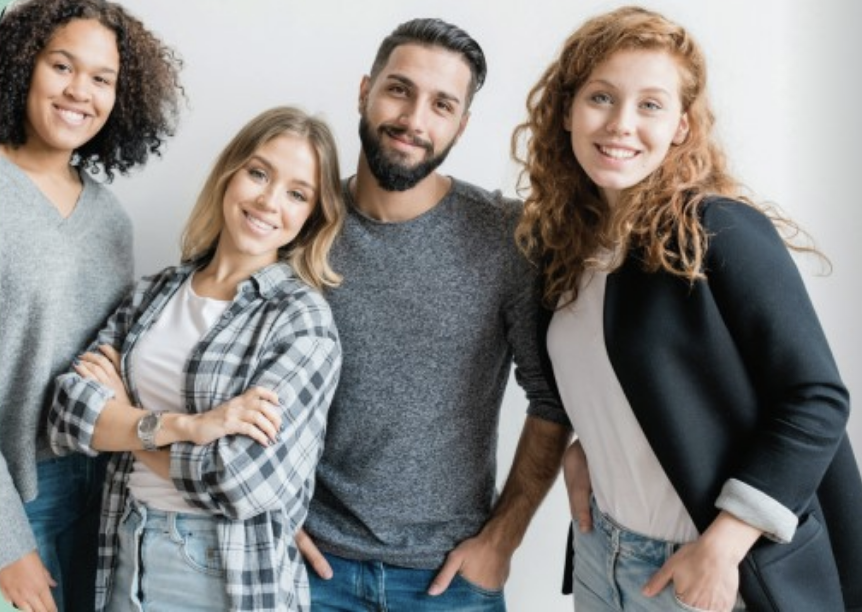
column 759, row 510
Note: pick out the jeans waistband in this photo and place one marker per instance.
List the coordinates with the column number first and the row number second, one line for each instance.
column 162, row 520
column 626, row 541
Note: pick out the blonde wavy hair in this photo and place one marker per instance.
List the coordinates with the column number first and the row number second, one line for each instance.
column 308, row 253
column 566, row 222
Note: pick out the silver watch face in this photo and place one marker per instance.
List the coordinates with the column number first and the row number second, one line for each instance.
column 148, row 424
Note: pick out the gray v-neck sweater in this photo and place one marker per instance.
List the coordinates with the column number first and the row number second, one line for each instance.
column 59, row 281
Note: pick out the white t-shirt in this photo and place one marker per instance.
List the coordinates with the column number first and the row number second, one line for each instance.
column 158, row 366
column 628, row 482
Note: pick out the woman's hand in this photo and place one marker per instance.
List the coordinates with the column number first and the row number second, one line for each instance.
column 705, row 573
column 253, row 414
column 104, row 368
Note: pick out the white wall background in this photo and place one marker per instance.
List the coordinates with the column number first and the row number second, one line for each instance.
column 783, row 83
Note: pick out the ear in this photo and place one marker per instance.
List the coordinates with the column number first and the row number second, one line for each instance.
column 364, row 88
column 567, row 117
column 463, row 124
column 682, row 130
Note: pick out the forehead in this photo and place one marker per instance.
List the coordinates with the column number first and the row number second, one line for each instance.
column 87, row 40
column 640, row 69
column 429, row 67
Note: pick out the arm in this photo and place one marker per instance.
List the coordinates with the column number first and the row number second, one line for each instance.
column 238, row 478
column 764, row 304
column 485, row 558
column 24, row 581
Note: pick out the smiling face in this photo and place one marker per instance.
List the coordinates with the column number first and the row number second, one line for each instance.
column 268, row 200
column 412, row 112
column 73, row 88
column 625, row 117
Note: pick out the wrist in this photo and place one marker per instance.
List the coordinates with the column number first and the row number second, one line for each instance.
column 732, row 536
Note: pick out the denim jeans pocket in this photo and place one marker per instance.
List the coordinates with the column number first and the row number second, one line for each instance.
column 200, row 549
column 472, row 586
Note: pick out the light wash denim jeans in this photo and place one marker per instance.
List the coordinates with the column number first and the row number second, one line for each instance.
column 65, row 520
column 613, row 564
column 379, row 587
column 168, row 562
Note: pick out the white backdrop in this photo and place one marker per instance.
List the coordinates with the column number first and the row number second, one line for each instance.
column 782, row 82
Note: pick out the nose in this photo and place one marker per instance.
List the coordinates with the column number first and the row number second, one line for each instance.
column 412, row 117
column 266, row 199
column 621, row 121
column 78, row 87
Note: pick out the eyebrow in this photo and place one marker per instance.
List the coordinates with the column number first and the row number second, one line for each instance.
column 648, row 90
column 73, row 58
column 263, row 160
column 409, row 83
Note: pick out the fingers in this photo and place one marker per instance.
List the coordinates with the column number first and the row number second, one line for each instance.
column 112, row 354
column 659, row 580
column 445, row 576
column 312, row 555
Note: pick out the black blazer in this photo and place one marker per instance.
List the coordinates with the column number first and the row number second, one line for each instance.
column 733, row 378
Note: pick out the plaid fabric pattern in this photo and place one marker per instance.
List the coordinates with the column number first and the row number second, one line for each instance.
column 277, row 333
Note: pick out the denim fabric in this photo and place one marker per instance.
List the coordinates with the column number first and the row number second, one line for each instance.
column 65, row 521
column 613, row 564
column 167, row 562
column 375, row 586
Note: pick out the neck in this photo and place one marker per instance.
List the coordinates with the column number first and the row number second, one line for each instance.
column 396, row 206
column 42, row 162
column 220, row 278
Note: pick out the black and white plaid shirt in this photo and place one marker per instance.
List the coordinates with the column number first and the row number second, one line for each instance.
column 278, row 333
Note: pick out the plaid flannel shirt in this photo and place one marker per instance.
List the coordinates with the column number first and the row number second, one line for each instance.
column 277, row 333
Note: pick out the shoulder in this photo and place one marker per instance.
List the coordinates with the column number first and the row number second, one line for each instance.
column 293, row 299
column 720, row 214
column 492, row 201
column 105, row 202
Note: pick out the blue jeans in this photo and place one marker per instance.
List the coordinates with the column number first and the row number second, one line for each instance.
column 379, row 587
column 168, row 562
column 613, row 564
column 65, row 521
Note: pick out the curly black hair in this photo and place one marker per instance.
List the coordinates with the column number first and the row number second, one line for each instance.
column 148, row 96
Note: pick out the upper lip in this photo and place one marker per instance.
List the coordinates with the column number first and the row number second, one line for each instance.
column 407, row 138
column 71, row 109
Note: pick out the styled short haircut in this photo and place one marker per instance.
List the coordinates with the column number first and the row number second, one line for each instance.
column 308, row 253
column 148, row 90
column 431, row 32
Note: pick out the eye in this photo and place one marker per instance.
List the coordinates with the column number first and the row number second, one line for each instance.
column 398, row 90
column 445, row 106
column 601, row 98
column 257, row 174
column 297, row 195
column 101, row 80
column 651, row 105
column 62, row 68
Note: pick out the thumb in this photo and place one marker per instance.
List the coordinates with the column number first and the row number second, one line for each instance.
column 444, row 577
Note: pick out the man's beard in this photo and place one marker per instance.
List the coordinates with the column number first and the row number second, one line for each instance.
column 392, row 175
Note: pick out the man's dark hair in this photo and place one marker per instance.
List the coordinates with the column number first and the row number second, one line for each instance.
column 431, row 32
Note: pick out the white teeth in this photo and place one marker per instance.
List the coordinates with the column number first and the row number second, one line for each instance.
column 72, row 116
column 258, row 223
column 617, row 153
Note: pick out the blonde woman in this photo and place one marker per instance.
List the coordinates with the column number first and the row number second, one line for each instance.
column 211, row 385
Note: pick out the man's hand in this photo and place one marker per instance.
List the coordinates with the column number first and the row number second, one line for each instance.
column 576, row 474
column 26, row 584
column 479, row 561
column 312, row 555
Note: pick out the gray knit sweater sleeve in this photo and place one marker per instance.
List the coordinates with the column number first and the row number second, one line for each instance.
column 59, row 280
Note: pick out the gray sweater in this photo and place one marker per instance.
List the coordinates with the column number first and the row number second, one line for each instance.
column 59, row 280
column 431, row 313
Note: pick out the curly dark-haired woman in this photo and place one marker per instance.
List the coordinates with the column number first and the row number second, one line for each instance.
column 87, row 89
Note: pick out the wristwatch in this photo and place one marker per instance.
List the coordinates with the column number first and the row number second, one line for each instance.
column 148, row 427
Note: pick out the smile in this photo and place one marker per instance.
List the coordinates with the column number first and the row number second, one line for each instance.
column 72, row 117
column 616, row 152
column 258, row 223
